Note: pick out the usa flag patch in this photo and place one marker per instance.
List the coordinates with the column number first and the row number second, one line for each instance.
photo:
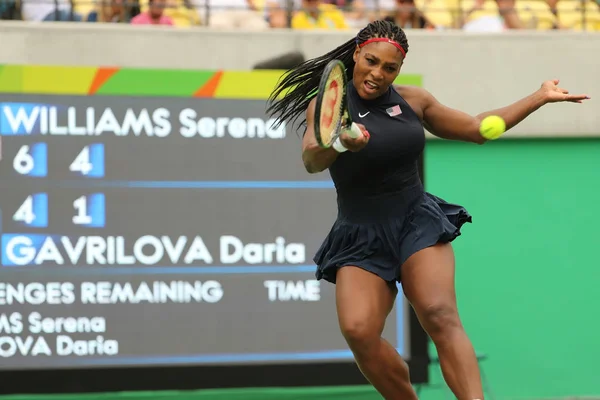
column 393, row 111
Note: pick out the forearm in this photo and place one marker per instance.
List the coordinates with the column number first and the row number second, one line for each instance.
column 452, row 124
column 317, row 159
column 518, row 111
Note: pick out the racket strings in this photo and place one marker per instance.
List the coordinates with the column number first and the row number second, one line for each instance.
column 331, row 107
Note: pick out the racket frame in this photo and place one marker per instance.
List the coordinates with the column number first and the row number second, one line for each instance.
column 345, row 123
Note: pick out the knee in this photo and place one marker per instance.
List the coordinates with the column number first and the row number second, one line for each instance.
column 359, row 333
column 440, row 321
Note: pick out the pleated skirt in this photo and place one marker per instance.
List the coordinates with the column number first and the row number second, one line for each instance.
column 379, row 235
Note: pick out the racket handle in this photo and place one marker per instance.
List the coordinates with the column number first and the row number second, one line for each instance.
column 354, row 131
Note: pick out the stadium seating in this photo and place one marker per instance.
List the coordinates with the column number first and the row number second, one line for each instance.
column 576, row 15
column 572, row 15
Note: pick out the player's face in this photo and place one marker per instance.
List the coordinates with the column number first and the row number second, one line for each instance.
column 377, row 66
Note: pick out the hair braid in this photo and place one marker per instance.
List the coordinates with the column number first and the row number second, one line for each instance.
column 299, row 85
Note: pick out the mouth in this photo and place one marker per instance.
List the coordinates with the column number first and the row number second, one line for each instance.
column 370, row 87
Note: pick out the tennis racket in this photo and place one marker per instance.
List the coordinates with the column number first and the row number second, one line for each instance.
column 331, row 109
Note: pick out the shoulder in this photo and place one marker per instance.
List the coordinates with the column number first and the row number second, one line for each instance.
column 413, row 92
column 416, row 97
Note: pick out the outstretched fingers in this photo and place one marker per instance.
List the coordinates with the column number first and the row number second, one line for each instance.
column 576, row 98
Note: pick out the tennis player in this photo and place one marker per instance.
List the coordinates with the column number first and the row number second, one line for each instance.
column 388, row 228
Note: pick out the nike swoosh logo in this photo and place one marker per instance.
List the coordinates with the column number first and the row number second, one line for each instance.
column 364, row 115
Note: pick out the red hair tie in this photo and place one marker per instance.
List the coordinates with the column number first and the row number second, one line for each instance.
column 390, row 41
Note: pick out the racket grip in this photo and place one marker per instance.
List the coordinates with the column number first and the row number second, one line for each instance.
column 354, row 131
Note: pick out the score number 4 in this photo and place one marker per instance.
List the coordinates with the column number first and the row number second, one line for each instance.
column 34, row 211
column 89, row 211
column 89, row 162
column 33, row 161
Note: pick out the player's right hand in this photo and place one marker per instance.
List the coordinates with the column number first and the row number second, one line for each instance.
column 355, row 144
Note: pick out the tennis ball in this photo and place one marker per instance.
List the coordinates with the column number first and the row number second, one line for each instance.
column 492, row 127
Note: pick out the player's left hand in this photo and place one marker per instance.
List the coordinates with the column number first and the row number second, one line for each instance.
column 553, row 94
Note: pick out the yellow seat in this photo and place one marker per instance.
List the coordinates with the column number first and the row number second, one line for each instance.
column 84, row 7
column 535, row 14
column 330, row 18
column 571, row 15
column 489, row 9
column 454, row 8
column 436, row 11
column 176, row 9
column 260, row 4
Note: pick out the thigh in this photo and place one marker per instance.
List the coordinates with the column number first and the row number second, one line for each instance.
column 428, row 283
column 363, row 301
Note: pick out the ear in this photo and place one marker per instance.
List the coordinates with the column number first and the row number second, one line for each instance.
column 355, row 55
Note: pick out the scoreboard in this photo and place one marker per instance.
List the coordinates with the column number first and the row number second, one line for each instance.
column 161, row 231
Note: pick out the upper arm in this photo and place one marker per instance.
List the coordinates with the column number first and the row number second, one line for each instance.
column 448, row 123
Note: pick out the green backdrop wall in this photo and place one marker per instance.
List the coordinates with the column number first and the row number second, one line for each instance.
column 528, row 267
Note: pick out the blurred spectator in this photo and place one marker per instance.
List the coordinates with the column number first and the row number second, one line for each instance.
column 315, row 14
column 9, row 9
column 354, row 11
column 552, row 6
column 228, row 14
column 536, row 14
column 44, row 10
column 109, row 11
column 154, row 15
column 408, row 16
column 490, row 16
column 276, row 12
column 509, row 15
column 379, row 9
column 181, row 12
column 468, row 15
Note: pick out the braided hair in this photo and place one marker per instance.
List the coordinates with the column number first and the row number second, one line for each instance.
column 300, row 84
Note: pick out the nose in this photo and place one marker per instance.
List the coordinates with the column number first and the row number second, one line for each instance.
column 376, row 74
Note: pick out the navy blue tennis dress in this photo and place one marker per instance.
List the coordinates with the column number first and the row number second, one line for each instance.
column 384, row 214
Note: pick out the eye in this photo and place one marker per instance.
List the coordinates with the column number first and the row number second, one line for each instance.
column 370, row 61
column 391, row 69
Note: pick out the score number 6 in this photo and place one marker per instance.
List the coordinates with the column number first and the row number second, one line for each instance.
column 32, row 160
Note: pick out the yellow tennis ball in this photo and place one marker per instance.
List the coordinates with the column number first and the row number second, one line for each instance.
column 492, row 127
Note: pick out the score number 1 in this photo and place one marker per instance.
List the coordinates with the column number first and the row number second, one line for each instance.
column 89, row 211
column 33, row 161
